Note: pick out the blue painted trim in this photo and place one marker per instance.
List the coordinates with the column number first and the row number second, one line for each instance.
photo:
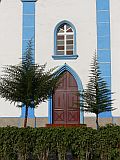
column 64, row 57
column 104, row 56
column 50, row 110
column 28, row 20
column 105, row 69
column 102, row 4
column 103, row 16
column 103, row 29
column 28, row 8
column 63, row 68
column 55, row 37
column 30, row 112
column 28, row 33
column 28, row 0
column 103, row 43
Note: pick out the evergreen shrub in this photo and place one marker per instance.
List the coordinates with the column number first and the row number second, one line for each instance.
column 38, row 143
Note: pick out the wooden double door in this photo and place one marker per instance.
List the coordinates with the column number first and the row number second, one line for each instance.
column 66, row 109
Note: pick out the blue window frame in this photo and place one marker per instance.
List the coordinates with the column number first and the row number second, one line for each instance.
column 64, row 41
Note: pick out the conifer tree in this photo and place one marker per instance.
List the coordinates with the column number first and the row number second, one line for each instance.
column 27, row 83
column 96, row 98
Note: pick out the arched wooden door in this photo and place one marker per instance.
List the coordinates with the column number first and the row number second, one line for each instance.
column 65, row 109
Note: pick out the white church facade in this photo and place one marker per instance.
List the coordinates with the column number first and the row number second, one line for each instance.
column 65, row 33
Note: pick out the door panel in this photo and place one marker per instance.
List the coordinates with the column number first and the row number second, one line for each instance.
column 72, row 99
column 65, row 97
column 59, row 103
column 62, row 83
column 71, row 82
column 73, row 117
column 73, row 108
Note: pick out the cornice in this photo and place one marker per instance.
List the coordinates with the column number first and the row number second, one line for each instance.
column 28, row 0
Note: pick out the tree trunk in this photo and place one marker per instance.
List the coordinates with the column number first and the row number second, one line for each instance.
column 97, row 124
column 26, row 115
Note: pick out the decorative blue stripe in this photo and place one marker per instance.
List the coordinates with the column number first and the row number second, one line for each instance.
column 105, row 69
column 28, row 34
column 103, row 43
column 107, row 79
column 104, row 56
column 103, row 16
column 25, row 43
column 102, row 4
column 28, row 8
column 30, row 113
column 50, row 110
column 29, row 20
column 65, row 67
column 103, row 29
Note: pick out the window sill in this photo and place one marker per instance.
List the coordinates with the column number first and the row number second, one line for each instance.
column 66, row 57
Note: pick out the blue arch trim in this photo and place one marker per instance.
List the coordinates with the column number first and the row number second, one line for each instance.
column 57, row 57
column 63, row 68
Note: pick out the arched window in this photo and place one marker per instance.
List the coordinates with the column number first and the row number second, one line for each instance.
column 65, row 41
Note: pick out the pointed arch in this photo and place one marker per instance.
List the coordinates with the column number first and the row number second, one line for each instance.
column 63, row 68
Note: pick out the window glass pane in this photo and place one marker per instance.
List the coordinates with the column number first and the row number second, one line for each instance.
column 70, row 47
column 69, row 36
column 60, row 31
column 60, row 37
column 69, row 52
column 67, row 26
column 69, row 42
column 62, row 26
column 60, row 47
column 60, row 43
column 69, row 30
column 60, row 52
column 65, row 33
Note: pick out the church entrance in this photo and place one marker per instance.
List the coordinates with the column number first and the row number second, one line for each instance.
column 65, row 110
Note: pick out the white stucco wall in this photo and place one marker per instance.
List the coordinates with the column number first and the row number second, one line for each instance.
column 82, row 14
column 10, row 44
column 115, row 51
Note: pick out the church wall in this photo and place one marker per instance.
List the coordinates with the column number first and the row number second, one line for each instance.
column 82, row 14
column 10, row 44
column 115, row 54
